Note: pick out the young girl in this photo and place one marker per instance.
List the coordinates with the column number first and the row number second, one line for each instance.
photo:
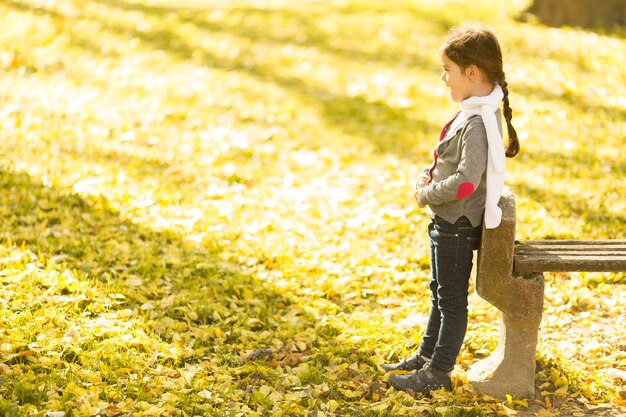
column 462, row 188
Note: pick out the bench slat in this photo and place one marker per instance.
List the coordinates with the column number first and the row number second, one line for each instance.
column 570, row 256
column 599, row 242
column 599, row 264
column 574, row 252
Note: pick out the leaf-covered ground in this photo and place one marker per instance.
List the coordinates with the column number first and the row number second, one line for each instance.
column 207, row 206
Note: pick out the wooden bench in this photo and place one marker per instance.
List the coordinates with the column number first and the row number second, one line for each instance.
column 510, row 276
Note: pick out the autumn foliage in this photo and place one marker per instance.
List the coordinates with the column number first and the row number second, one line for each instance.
column 207, row 206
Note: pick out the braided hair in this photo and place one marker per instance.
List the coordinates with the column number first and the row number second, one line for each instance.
column 477, row 45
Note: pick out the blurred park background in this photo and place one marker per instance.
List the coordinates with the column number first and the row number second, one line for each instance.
column 207, row 206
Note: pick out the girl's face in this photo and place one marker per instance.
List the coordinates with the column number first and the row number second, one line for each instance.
column 457, row 80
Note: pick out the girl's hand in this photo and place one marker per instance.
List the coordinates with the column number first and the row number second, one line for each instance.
column 418, row 194
column 422, row 182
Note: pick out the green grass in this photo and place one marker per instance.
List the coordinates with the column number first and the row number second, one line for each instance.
column 183, row 184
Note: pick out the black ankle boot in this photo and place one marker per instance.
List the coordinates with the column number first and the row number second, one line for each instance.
column 423, row 381
column 413, row 363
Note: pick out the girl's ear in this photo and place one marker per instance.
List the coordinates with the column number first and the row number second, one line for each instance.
column 472, row 72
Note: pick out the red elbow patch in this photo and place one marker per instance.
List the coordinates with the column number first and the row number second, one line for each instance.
column 464, row 190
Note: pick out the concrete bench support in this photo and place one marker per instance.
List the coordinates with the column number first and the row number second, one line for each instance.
column 510, row 369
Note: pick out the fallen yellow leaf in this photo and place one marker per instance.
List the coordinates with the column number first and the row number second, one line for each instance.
column 543, row 413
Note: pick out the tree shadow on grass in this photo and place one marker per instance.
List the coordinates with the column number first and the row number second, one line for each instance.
column 572, row 99
column 90, row 236
column 566, row 203
column 272, row 22
column 573, row 164
column 206, row 292
column 596, row 221
column 389, row 129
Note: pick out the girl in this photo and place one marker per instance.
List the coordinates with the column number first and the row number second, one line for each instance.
column 462, row 188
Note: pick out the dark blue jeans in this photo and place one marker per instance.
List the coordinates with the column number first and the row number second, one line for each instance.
column 451, row 254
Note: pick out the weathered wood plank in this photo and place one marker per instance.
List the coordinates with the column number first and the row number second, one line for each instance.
column 564, row 246
column 522, row 250
column 570, row 256
column 523, row 266
column 610, row 242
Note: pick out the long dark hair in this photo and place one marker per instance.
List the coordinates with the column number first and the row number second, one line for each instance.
column 475, row 44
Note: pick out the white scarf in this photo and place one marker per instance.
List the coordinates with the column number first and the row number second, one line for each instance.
column 496, row 161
